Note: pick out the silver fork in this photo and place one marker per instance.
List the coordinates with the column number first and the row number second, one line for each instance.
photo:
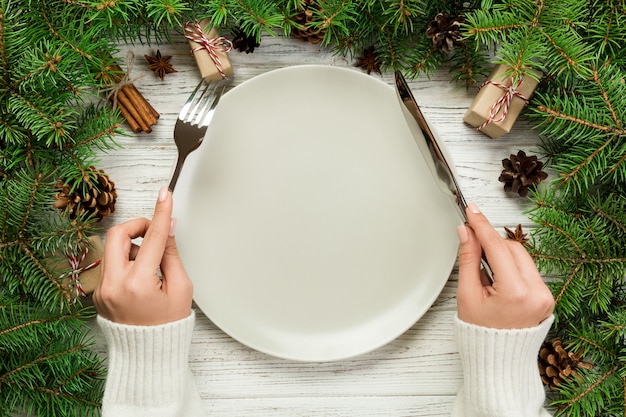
column 193, row 120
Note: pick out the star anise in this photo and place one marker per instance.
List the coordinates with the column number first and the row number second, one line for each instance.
column 518, row 235
column 160, row 65
column 368, row 61
column 243, row 42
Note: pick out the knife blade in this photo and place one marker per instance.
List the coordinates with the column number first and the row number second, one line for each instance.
column 443, row 169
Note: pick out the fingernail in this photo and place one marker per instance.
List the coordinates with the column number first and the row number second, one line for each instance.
column 163, row 193
column 463, row 234
column 473, row 208
column 172, row 231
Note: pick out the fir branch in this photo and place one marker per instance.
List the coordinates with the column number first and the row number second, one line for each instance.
column 64, row 293
column 29, row 205
column 578, row 261
column 259, row 16
column 170, row 12
column 97, row 137
column 605, row 97
column 567, row 236
column 568, row 176
column 403, row 13
column 611, row 219
column 423, row 64
column 591, row 387
column 8, row 267
column 4, row 56
column 25, row 325
column 489, row 29
column 607, row 34
column 557, row 114
column 615, row 325
column 385, row 38
column 468, row 66
column 594, row 345
column 566, row 285
column 579, row 109
column 56, row 397
column 34, row 117
column 58, row 36
column 332, row 20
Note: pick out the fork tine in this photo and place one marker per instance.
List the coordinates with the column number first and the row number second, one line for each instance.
column 189, row 102
column 208, row 115
column 199, row 101
column 205, row 101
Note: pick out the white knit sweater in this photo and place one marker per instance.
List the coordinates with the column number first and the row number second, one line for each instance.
column 148, row 373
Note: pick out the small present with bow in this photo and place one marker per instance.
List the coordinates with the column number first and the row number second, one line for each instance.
column 78, row 267
column 210, row 50
column 500, row 100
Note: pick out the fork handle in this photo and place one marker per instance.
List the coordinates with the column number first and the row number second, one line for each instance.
column 179, row 166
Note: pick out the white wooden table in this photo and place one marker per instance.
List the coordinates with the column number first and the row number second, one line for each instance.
column 419, row 373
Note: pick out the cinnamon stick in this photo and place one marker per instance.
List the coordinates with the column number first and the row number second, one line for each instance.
column 123, row 98
column 135, row 103
column 145, row 102
column 134, row 126
column 140, row 104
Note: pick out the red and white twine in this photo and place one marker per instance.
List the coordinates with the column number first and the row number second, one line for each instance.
column 194, row 33
column 503, row 103
column 75, row 259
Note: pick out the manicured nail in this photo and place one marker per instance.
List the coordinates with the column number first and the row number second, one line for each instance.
column 172, row 231
column 163, row 193
column 473, row 208
column 463, row 234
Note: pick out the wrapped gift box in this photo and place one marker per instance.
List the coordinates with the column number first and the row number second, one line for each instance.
column 89, row 267
column 206, row 37
column 490, row 113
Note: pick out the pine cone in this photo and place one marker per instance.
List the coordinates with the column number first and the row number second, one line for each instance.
column 557, row 365
column 521, row 172
column 99, row 199
column 445, row 31
column 304, row 18
column 243, row 42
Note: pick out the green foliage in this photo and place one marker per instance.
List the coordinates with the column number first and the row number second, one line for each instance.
column 54, row 57
column 55, row 372
column 580, row 110
column 51, row 124
column 396, row 29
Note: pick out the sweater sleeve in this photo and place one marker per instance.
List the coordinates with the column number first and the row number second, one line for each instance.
column 148, row 372
column 500, row 373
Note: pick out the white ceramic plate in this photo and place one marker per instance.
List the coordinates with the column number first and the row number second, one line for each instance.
column 309, row 221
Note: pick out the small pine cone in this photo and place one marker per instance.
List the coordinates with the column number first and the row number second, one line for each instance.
column 97, row 201
column 521, row 173
column 557, row 365
column 243, row 42
column 445, row 31
column 304, row 18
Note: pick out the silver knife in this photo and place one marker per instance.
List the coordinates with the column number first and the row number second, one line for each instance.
column 443, row 169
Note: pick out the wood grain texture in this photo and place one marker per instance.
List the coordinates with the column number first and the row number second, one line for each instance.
column 417, row 374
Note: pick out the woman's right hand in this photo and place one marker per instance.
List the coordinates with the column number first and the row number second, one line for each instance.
column 518, row 297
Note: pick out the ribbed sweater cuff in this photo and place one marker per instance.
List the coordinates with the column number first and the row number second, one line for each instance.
column 500, row 371
column 147, row 364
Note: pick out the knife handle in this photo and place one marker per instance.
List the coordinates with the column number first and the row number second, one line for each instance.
column 485, row 266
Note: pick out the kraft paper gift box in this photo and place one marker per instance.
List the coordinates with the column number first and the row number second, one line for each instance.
column 488, row 112
column 208, row 68
column 88, row 278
